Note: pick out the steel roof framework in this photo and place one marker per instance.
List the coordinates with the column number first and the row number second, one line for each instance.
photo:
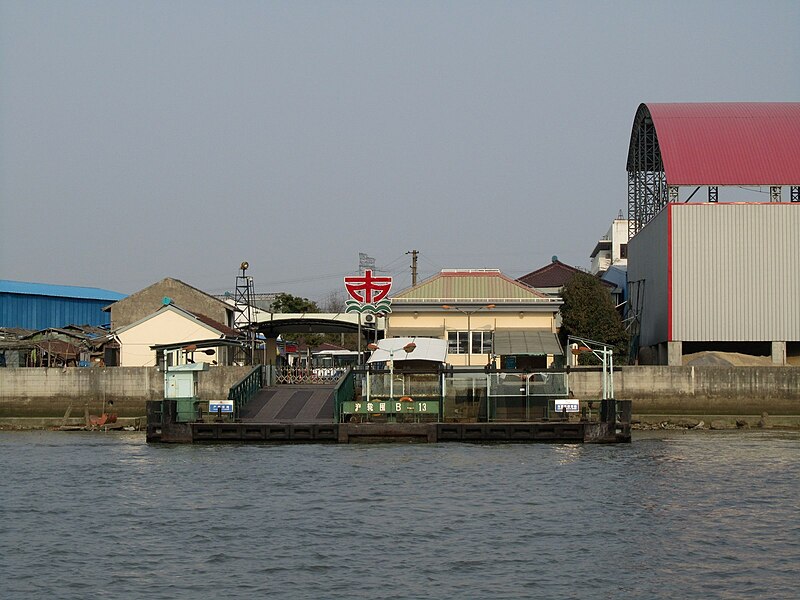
column 648, row 188
column 647, row 183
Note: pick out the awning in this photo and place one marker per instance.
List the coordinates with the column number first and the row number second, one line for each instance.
column 198, row 344
column 526, row 341
column 431, row 349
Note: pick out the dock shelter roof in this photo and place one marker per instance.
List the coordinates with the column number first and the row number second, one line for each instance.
column 430, row 349
column 274, row 324
column 198, row 344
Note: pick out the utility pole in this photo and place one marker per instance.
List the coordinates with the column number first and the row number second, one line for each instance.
column 413, row 254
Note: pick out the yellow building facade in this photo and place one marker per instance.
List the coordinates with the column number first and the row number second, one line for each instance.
column 485, row 316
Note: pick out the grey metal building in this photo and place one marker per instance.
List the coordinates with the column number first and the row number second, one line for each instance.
column 718, row 277
column 715, row 275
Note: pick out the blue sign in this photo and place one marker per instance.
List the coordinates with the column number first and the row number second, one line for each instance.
column 225, row 406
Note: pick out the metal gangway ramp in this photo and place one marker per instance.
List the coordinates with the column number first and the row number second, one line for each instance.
column 288, row 404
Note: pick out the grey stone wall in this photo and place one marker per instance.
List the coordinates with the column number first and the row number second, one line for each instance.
column 43, row 392
column 699, row 390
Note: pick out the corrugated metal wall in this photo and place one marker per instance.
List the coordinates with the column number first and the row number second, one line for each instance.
column 40, row 312
column 736, row 272
column 647, row 260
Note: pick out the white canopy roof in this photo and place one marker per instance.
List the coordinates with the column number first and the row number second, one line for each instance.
column 431, row 349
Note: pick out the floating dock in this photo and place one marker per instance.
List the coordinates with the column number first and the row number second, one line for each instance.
column 613, row 426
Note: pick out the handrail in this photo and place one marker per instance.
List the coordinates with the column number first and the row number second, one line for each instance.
column 343, row 392
column 308, row 375
column 243, row 390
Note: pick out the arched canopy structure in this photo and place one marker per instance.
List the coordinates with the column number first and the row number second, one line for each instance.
column 274, row 324
column 710, row 144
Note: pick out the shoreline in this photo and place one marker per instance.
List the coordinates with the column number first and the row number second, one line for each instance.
column 762, row 422
column 714, row 422
column 72, row 424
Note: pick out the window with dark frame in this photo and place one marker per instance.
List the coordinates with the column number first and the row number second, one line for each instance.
column 458, row 342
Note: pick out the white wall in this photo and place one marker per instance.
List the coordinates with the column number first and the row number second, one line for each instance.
column 619, row 236
column 164, row 327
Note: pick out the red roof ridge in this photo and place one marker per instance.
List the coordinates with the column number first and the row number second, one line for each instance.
column 221, row 327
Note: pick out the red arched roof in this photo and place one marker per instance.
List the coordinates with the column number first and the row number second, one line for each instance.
column 727, row 143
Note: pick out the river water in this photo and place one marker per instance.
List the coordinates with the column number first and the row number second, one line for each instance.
column 672, row 515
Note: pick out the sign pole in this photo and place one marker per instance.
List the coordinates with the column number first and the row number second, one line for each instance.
column 360, row 356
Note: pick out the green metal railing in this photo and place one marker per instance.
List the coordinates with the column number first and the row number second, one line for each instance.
column 343, row 392
column 244, row 389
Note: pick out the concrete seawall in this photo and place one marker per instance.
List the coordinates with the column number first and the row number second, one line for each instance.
column 699, row 390
column 41, row 396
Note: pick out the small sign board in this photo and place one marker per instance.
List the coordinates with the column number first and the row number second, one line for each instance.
column 571, row 405
column 214, row 406
column 391, row 406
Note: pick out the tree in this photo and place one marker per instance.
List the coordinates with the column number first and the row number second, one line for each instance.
column 334, row 302
column 287, row 303
column 588, row 312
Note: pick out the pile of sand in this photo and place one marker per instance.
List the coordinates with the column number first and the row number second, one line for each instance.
column 725, row 359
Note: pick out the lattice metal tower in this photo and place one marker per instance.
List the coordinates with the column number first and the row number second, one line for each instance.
column 242, row 314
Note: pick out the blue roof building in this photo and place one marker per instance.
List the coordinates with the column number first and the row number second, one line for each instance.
column 40, row 305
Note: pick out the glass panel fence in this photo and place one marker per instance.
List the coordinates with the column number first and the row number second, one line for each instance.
column 464, row 397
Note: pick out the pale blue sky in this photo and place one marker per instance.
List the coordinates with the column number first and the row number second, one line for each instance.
column 140, row 140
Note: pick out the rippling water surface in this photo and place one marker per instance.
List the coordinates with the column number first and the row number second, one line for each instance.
column 671, row 515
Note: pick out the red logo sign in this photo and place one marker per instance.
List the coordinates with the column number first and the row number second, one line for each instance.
column 368, row 289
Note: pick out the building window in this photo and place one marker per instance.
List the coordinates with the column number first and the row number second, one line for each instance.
column 481, row 342
column 623, row 251
column 458, row 342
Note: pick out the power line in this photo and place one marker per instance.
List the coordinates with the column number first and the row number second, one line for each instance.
column 391, row 263
column 263, row 284
column 432, row 264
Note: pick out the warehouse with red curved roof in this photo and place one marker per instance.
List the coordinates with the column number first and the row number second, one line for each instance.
column 705, row 270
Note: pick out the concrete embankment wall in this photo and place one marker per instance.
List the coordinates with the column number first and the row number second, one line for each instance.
column 42, row 393
column 698, row 390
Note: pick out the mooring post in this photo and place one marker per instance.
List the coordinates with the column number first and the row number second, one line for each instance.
column 608, row 410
